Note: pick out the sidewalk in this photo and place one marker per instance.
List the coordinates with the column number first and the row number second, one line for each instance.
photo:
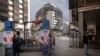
column 2, row 51
column 62, row 49
column 66, row 52
column 31, row 54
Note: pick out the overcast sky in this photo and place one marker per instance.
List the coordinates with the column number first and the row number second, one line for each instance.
column 35, row 5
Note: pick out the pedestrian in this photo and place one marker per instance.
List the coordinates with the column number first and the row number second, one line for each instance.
column 85, row 41
column 16, row 44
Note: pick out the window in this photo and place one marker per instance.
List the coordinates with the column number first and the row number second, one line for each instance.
column 10, row 7
column 10, row 19
column 21, row 1
column 3, row 10
column 10, row 13
column 20, row 11
column 20, row 16
column 20, row 6
column 10, row 2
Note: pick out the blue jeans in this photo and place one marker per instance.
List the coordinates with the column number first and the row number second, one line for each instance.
column 86, row 49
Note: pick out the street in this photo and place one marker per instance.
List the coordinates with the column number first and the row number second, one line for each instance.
column 30, row 27
column 62, row 49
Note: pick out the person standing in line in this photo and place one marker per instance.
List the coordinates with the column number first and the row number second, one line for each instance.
column 16, row 44
column 85, row 41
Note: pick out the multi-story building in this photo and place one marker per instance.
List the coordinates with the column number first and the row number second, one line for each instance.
column 18, row 10
column 51, row 17
column 3, row 10
column 51, row 13
column 85, row 15
column 65, row 28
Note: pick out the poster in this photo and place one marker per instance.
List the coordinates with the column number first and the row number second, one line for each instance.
column 1, row 33
column 44, row 32
column 44, row 36
column 8, row 37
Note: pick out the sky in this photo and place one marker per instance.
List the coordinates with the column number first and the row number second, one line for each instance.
column 35, row 5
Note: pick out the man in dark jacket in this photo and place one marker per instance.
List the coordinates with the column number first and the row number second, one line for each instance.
column 85, row 41
column 16, row 44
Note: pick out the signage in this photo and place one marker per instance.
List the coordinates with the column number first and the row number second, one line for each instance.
column 8, row 26
column 8, row 34
column 8, row 38
column 43, row 36
column 45, row 24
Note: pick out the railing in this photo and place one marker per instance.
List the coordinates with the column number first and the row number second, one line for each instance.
column 31, row 44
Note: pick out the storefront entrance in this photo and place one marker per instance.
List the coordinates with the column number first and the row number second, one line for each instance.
column 91, row 24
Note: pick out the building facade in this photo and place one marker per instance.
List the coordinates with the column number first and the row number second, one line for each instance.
column 18, row 10
column 3, row 10
column 65, row 28
column 51, row 17
column 85, row 15
column 51, row 13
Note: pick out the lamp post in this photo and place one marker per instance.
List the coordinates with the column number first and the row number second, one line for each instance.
column 24, row 29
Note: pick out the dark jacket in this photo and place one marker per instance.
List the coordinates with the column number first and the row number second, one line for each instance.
column 85, row 39
column 16, row 43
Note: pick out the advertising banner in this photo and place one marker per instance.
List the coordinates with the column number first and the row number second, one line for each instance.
column 8, row 26
column 44, row 36
column 1, row 33
column 8, row 34
column 45, row 24
column 8, row 38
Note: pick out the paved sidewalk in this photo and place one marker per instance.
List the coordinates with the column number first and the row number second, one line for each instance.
column 2, row 51
column 31, row 54
column 62, row 49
